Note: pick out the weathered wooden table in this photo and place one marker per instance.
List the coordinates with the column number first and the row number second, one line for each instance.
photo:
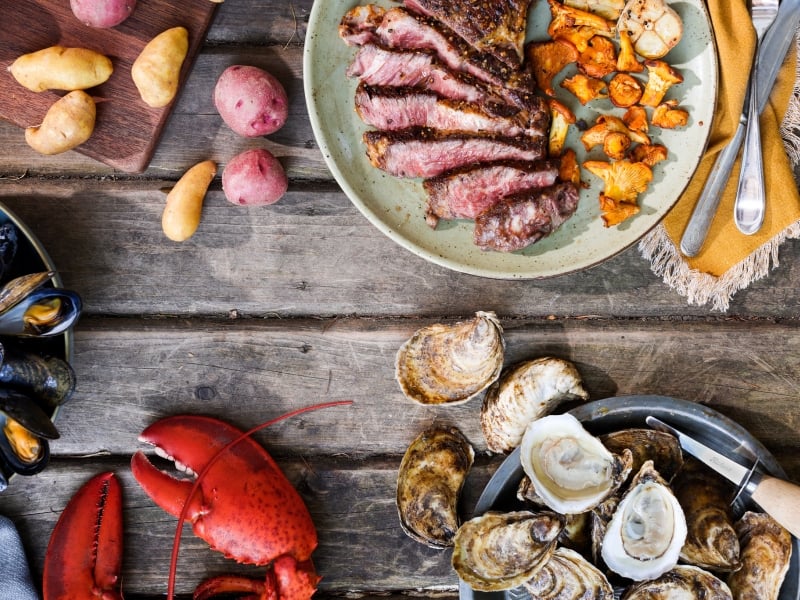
column 270, row 309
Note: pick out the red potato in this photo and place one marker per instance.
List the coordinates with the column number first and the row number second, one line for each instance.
column 254, row 178
column 102, row 13
column 251, row 101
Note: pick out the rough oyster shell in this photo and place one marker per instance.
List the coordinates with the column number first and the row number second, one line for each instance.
column 599, row 518
column 501, row 550
column 432, row 473
column 524, row 393
column 647, row 444
column 684, row 581
column 569, row 576
column 648, row 529
column 570, row 469
column 711, row 541
column 449, row 364
column 766, row 550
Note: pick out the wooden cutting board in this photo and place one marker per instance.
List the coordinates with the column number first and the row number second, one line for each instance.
column 127, row 130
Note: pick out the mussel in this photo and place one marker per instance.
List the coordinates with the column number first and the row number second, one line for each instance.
column 49, row 379
column 27, row 308
column 26, row 429
column 9, row 242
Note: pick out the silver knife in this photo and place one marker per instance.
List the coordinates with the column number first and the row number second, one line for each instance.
column 771, row 52
column 776, row 497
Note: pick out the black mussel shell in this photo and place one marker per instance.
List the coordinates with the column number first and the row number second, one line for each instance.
column 9, row 242
column 24, row 410
column 14, row 463
column 47, row 378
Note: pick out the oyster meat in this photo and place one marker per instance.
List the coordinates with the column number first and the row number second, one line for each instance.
column 648, row 444
column 570, row 469
column 569, row 576
column 449, row 364
column 681, row 583
column 432, row 473
column 711, row 541
column 648, row 529
column 502, row 550
column 524, row 393
column 766, row 550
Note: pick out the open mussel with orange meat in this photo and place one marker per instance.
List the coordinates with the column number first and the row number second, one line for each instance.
column 28, row 308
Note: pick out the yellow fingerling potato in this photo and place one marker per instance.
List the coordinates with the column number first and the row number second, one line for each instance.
column 68, row 123
column 60, row 68
column 185, row 202
column 157, row 69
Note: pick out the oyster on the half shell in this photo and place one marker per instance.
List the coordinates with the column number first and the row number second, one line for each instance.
column 766, row 550
column 711, row 541
column 502, row 550
column 524, row 393
column 449, row 364
column 648, row 529
column 569, row 576
column 683, row 581
column 570, row 469
column 432, row 473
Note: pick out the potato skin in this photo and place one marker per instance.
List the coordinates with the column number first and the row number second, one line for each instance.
column 156, row 71
column 61, row 68
column 251, row 101
column 181, row 215
column 102, row 13
column 68, row 123
column 254, row 178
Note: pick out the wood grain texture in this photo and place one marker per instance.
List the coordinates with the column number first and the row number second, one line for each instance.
column 127, row 130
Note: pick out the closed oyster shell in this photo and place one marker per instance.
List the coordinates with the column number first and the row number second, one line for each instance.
column 766, row 550
column 432, row 473
column 502, row 550
column 647, row 444
column 683, row 581
column 526, row 392
column 711, row 541
column 648, row 529
column 449, row 364
column 570, row 469
column 569, row 576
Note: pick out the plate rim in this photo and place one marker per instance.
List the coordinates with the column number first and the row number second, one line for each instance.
column 508, row 272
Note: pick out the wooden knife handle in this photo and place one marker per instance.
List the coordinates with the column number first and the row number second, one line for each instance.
column 781, row 500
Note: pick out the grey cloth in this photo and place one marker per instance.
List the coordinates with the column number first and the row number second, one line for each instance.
column 15, row 576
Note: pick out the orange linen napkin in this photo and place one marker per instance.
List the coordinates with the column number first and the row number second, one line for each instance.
column 729, row 260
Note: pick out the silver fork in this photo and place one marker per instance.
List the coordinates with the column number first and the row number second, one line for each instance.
column 748, row 209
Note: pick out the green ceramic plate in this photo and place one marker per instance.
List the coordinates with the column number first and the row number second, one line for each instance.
column 397, row 207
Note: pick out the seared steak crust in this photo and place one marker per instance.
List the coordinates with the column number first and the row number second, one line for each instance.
column 465, row 193
column 521, row 219
column 496, row 27
column 393, row 108
column 422, row 152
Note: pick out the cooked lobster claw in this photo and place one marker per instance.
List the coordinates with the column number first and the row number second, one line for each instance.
column 244, row 506
column 84, row 556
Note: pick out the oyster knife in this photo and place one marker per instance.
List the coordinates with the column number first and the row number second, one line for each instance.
column 777, row 497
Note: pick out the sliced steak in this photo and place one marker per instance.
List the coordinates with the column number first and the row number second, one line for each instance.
column 379, row 66
column 467, row 192
column 523, row 218
column 422, row 152
column 496, row 27
column 393, row 108
column 358, row 25
column 408, row 31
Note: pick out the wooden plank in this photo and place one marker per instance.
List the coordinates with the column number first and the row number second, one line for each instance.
column 361, row 546
column 127, row 129
column 309, row 255
column 131, row 373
